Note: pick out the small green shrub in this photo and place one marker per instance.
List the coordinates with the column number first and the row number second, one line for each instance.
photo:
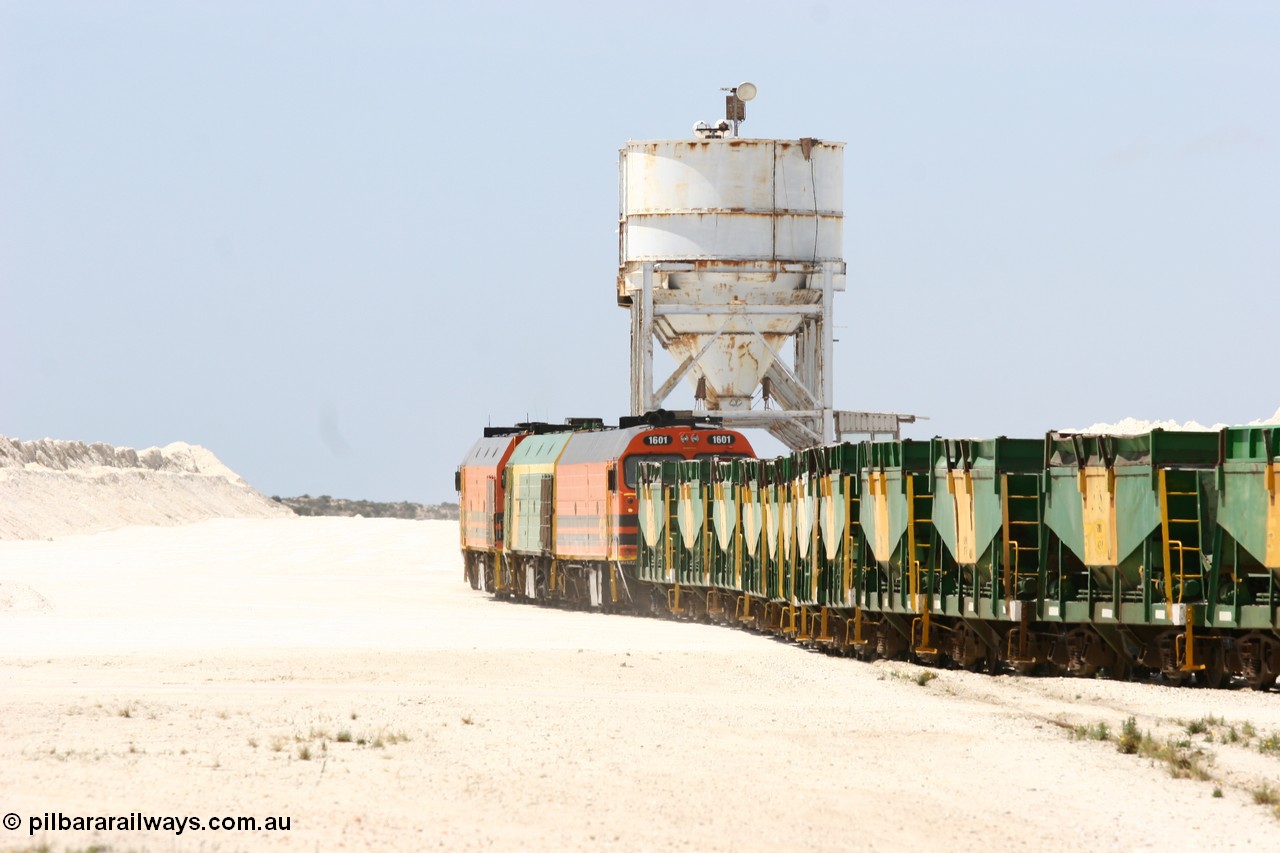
column 1129, row 739
column 1271, row 743
column 1182, row 761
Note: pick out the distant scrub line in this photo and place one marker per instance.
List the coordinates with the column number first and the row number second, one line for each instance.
column 325, row 505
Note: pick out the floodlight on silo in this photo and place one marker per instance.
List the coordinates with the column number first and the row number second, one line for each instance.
column 735, row 103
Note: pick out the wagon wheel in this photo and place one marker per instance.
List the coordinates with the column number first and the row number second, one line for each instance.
column 866, row 652
column 1120, row 669
column 976, row 663
column 1264, row 679
column 1214, row 674
column 966, row 650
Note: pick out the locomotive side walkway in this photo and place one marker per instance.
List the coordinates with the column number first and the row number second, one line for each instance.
column 340, row 672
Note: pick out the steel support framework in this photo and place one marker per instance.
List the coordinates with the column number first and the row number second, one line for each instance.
column 803, row 392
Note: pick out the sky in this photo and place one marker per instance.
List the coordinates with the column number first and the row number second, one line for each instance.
column 333, row 241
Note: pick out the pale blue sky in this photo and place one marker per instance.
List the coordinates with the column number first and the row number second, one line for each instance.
column 332, row 241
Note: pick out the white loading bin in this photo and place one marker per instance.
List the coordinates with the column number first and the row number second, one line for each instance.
column 725, row 224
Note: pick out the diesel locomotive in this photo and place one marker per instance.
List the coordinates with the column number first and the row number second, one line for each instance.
column 548, row 512
column 1073, row 553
